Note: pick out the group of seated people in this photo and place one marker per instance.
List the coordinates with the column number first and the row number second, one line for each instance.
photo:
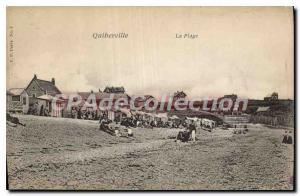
column 188, row 134
column 127, row 123
column 145, row 123
column 118, row 129
column 240, row 129
column 151, row 123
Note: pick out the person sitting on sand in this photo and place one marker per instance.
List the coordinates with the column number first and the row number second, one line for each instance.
column 129, row 132
column 138, row 123
column 245, row 130
column 184, row 136
column 117, row 132
column 104, row 124
column 152, row 123
column 13, row 120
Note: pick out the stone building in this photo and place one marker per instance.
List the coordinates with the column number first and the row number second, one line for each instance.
column 38, row 87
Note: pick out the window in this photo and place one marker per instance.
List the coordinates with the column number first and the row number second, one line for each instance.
column 34, row 95
column 15, row 98
column 24, row 100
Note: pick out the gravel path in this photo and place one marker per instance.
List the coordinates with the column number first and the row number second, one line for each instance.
column 52, row 153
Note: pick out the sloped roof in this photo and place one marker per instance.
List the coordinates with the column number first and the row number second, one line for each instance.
column 174, row 117
column 150, row 114
column 262, row 109
column 48, row 86
column 15, row 91
column 148, row 97
column 142, row 98
column 45, row 97
column 85, row 95
column 9, row 93
column 50, row 98
column 179, row 94
column 138, row 112
column 125, row 111
column 114, row 90
column 162, row 115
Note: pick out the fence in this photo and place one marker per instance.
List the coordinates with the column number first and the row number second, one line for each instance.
column 279, row 120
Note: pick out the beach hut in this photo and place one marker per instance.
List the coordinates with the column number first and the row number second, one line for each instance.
column 44, row 105
column 162, row 116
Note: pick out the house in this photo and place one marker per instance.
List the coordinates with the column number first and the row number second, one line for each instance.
column 169, row 102
column 272, row 97
column 114, row 90
column 263, row 110
column 17, row 100
column 179, row 95
column 233, row 97
column 38, row 87
column 140, row 101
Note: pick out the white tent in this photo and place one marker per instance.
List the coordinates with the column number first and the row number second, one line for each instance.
column 125, row 111
column 45, row 97
column 174, row 117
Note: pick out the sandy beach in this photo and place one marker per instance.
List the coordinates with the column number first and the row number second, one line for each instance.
column 55, row 153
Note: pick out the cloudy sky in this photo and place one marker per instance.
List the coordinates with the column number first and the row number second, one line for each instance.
column 247, row 51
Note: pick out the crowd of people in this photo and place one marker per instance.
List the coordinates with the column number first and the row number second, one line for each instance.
column 121, row 124
column 79, row 113
column 187, row 126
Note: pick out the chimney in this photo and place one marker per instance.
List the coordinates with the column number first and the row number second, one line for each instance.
column 53, row 81
column 100, row 90
column 34, row 76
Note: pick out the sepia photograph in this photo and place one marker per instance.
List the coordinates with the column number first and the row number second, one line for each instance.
column 150, row 98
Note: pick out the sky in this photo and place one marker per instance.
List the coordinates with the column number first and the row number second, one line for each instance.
column 245, row 51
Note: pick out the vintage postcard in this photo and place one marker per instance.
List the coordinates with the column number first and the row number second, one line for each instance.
column 150, row 98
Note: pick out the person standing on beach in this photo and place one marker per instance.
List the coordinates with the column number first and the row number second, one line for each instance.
column 285, row 138
column 192, row 129
column 289, row 138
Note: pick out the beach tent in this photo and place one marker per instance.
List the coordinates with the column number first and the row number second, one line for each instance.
column 126, row 112
column 173, row 117
column 162, row 116
column 150, row 116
